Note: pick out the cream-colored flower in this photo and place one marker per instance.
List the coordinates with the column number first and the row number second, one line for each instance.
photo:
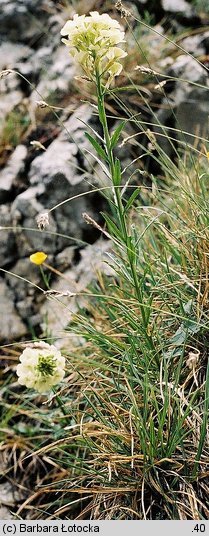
column 41, row 367
column 92, row 42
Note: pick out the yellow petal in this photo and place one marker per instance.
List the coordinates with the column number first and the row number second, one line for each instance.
column 38, row 258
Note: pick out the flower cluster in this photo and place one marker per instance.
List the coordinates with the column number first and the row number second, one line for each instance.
column 92, row 41
column 41, row 367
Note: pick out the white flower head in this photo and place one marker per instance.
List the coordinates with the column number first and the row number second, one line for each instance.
column 41, row 367
column 92, row 41
column 42, row 220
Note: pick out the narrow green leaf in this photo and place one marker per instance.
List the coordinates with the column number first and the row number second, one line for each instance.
column 100, row 111
column 131, row 250
column 116, row 134
column 204, row 425
column 103, row 166
column 131, row 200
column 117, row 173
column 113, row 229
column 97, row 147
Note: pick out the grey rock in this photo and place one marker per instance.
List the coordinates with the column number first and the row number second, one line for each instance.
column 9, row 496
column 30, row 17
column 5, row 513
column 38, row 63
column 56, row 162
column 27, row 204
column 8, row 246
column 188, row 69
column 94, row 259
column 194, row 44
column 27, row 280
column 29, row 238
column 205, row 42
column 189, row 105
column 25, row 309
column 56, row 74
column 59, row 307
column 9, row 99
column 191, row 102
column 11, row 326
column 11, row 57
column 178, row 6
column 36, row 240
column 59, row 172
column 59, row 160
column 64, row 259
column 56, row 169
column 28, row 289
column 13, row 53
column 77, row 124
column 11, row 172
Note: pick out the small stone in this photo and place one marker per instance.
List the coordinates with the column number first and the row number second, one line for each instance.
column 8, row 246
column 8, row 495
column 5, row 513
column 64, row 259
column 11, row 172
column 27, row 204
column 24, row 18
column 59, row 309
column 178, row 6
column 11, row 326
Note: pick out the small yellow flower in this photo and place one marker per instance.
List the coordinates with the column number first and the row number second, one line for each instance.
column 38, row 258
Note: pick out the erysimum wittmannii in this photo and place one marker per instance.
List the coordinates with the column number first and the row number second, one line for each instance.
column 93, row 42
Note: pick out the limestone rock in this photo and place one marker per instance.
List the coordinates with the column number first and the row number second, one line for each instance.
column 59, row 160
column 179, row 6
column 194, row 44
column 5, row 513
column 11, row 54
column 61, row 305
column 9, row 496
column 8, row 247
column 59, row 172
column 29, row 238
column 11, row 326
column 189, row 105
column 64, row 259
column 10, row 173
column 183, row 10
column 27, row 282
column 56, row 74
column 29, row 16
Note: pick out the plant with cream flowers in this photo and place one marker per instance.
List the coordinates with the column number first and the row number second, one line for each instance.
column 41, row 367
column 92, row 41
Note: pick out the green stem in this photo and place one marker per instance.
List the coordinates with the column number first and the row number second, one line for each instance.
column 107, row 139
column 61, row 405
column 119, row 203
column 45, row 278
